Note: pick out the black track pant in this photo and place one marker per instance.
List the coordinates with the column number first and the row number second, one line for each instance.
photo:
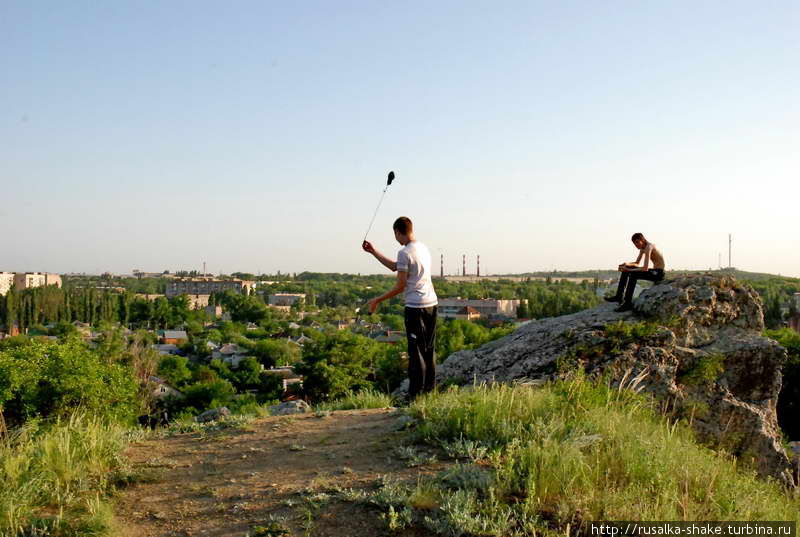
column 627, row 282
column 421, row 334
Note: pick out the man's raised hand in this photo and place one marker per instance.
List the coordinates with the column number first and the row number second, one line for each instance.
column 367, row 247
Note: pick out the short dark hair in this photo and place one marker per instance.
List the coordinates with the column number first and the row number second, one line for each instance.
column 403, row 225
column 638, row 237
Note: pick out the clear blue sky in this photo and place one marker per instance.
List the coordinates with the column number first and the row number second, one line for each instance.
column 258, row 135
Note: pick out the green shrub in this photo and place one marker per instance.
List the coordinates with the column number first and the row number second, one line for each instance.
column 705, row 370
column 44, row 379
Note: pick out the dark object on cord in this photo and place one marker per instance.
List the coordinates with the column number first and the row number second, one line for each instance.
column 388, row 182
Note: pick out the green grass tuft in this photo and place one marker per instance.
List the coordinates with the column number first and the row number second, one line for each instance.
column 54, row 480
column 358, row 400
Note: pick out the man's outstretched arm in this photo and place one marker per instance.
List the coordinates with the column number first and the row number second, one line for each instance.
column 385, row 261
column 399, row 287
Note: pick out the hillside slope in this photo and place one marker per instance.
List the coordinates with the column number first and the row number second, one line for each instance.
column 230, row 482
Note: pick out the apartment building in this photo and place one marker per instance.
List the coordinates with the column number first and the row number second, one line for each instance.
column 27, row 280
column 207, row 286
column 286, row 299
column 6, row 281
column 460, row 308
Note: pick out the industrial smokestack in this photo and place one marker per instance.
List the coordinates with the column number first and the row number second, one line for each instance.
column 479, row 266
column 464, row 265
column 441, row 265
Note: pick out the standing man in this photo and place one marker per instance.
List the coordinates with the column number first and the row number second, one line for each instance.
column 632, row 272
column 413, row 267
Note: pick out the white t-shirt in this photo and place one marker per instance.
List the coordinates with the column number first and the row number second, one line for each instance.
column 415, row 259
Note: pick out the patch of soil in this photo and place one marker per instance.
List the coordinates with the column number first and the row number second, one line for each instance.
column 227, row 483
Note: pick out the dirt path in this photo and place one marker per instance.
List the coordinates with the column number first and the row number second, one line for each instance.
column 229, row 482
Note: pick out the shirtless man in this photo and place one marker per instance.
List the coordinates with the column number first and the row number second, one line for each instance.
column 632, row 272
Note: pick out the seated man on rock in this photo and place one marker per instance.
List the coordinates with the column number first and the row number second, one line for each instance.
column 632, row 272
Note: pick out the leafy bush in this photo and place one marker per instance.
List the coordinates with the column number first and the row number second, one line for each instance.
column 44, row 378
column 336, row 364
column 705, row 370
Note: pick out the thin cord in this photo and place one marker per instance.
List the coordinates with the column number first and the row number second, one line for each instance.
column 376, row 212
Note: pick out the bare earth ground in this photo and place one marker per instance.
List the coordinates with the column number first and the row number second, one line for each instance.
column 227, row 483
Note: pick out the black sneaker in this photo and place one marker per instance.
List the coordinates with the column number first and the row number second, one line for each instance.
column 626, row 306
column 611, row 299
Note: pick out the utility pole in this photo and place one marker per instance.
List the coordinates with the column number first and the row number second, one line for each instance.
column 730, row 240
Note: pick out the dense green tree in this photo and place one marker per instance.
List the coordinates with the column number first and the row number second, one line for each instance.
column 205, row 395
column 336, row 363
column 247, row 374
column 273, row 352
column 175, row 370
column 44, row 378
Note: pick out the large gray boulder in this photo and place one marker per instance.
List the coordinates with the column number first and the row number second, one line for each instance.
column 701, row 352
column 289, row 407
column 213, row 415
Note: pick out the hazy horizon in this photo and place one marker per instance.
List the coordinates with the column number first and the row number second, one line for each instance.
column 257, row 136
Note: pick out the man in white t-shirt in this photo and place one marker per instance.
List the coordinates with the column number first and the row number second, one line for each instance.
column 413, row 267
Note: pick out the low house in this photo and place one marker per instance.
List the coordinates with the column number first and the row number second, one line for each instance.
column 165, row 349
column 176, row 337
column 288, row 376
column 159, row 389
column 466, row 313
column 229, row 349
column 230, row 353
column 301, row 340
column 234, row 360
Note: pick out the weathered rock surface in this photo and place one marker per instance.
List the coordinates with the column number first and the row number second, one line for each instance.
column 213, row 415
column 289, row 407
column 703, row 355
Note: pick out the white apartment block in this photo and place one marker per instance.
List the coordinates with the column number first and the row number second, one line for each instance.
column 27, row 280
column 6, row 281
column 453, row 307
column 286, row 299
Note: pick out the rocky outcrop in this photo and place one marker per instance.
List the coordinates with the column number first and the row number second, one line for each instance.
column 213, row 415
column 289, row 407
column 694, row 342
